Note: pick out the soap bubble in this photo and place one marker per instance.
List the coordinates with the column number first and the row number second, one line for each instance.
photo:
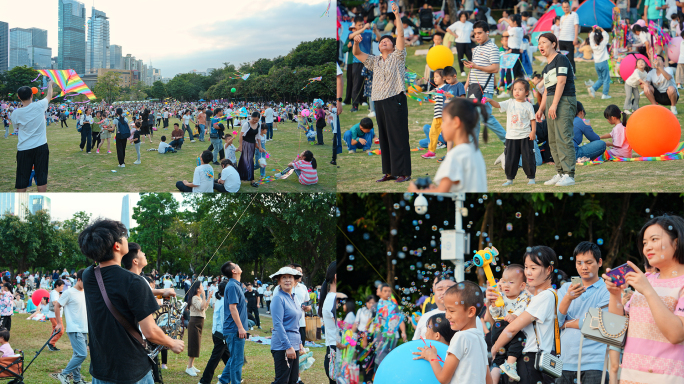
column 396, row 206
column 393, row 232
column 366, row 236
column 350, row 268
column 479, row 201
column 485, row 197
column 498, row 202
column 569, row 234
column 446, row 223
column 599, row 241
column 648, row 210
column 509, row 227
column 518, row 215
column 350, row 228
column 434, row 227
column 556, row 237
column 351, row 257
column 394, row 262
column 350, row 248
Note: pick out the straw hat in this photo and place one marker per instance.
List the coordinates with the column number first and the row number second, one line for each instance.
column 286, row 271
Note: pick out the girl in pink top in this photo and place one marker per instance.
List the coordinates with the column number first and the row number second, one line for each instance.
column 654, row 350
column 620, row 146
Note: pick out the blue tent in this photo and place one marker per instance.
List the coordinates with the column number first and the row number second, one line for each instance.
column 596, row 12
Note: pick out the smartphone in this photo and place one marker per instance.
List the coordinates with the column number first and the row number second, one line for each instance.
column 576, row 280
column 464, row 59
column 618, row 274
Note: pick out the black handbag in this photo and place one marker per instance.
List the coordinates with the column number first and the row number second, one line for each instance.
column 320, row 123
column 475, row 89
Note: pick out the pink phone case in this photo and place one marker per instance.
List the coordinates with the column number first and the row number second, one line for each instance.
column 618, row 274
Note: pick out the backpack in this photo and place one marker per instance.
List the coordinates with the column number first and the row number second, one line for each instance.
column 123, row 128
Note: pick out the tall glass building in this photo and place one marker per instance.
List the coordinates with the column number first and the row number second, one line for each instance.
column 115, row 57
column 4, row 46
column 126, row 212
column 40, row 57
column 72, row 36
column 39, row 37
column 12, row 203
column 97, row 46
column 39, row 203
column 20, row 40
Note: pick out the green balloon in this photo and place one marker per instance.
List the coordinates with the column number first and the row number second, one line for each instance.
column 233, row 90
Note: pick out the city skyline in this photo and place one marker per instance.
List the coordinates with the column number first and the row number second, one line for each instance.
column 204, row 39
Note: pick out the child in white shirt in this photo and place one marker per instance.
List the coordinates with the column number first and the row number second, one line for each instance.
column 164, row 147
column 633, row 85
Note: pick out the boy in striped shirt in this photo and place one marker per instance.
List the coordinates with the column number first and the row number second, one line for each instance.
column 436, row 127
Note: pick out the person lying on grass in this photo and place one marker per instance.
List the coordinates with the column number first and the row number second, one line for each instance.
column 304, row 165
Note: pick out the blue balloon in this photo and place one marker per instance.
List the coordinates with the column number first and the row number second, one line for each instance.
column 398, row 367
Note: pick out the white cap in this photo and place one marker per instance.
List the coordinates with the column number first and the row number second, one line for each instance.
column 286, row 271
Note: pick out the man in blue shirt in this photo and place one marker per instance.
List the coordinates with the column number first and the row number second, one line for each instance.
column 235, row 315
column 574, row 302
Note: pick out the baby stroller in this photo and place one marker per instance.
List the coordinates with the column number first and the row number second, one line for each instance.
column 12, row 368
column 426, row 24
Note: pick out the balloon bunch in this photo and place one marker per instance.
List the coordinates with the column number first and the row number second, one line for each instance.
column 346, row 365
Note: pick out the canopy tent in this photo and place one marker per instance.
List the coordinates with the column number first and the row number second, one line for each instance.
column 596, row 12
column 544, row 23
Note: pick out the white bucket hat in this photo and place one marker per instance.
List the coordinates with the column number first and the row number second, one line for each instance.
column 286, row 271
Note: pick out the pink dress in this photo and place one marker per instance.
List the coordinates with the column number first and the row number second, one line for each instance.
column 621, row 147
column 648, row 357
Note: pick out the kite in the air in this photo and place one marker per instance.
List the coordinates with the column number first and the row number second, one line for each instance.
column 70, row 83
column 319, row 78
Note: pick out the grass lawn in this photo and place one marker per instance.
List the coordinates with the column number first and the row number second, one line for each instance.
column 359, row 171
column 29, row 336
column 74, row 171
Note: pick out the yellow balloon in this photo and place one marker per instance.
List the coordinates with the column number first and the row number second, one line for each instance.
column 439, row 57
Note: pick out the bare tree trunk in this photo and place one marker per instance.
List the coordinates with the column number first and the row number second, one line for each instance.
column 452, row 10
column 591, row 233
column 530, row 224
column 616, row 235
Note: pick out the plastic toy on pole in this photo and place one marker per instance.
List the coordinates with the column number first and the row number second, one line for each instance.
column 483, row 259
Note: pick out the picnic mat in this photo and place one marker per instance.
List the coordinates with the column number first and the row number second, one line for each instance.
column 678, row 154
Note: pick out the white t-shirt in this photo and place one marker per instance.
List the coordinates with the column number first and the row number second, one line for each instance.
column 232, row 179
column 408, row 32
column 75, row 312
column 329, row 320
column 515, row 37
column 162, row 147
column 531, row 21
column 54, row 296
column 186, row 119
column 567, row 26
column 542, row 307
column 168, row 283
column 633, row 79
column 659, row 82
column 268, row 115
column 421, row 327
column 339, row 70
column 363, row 317
column 471, row 351
column 680, row 60
column 462, row 30
column 465, row 164
column 204, row 177
column 30, row 122
column 600, row 51
column 556, row 30
column 350, row 318
column 518, row 117
column 303, row 296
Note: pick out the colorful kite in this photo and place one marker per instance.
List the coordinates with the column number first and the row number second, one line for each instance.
column 68, row 81
column 319, row 78
column 239, row 75
column 327, row 11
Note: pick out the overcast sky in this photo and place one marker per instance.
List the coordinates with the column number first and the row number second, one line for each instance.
column 106, row 205
column 181, row 36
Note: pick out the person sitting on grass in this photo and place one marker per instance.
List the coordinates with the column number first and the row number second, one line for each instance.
column 304, row 166
column 177, row 137
column 595, row 147
column 620, row 145
column 164, row 147
column 230, row 178
column 5, row 348
column 203, row 178
column 360, row 136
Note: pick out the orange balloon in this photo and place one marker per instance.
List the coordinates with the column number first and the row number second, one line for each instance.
column 35, row 90
column 653, row 130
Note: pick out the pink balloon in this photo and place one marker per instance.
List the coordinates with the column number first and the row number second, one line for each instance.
column 673, row 48
column 305, row 112
column 628, row 64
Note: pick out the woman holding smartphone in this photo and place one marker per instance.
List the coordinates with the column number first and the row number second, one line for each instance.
column 655, row 336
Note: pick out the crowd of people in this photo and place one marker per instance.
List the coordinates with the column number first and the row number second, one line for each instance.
column 136, row 123
column 541, row 110
column 543, row 311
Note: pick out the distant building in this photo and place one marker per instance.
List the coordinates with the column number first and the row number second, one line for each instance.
column 39, row 203
column 40, row 57
column 115, row 57
column 39, row 37
column 20, row 40
column 14, row 204
column 166, row 80
column 72, row 36
column 4, row 46
column 125, row 77
column 126, row 212
column 97, row 45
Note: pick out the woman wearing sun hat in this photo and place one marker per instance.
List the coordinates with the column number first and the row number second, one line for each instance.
column 286, row 340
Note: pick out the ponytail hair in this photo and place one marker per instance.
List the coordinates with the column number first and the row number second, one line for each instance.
column 469, row 112
column 330, row 277
column 598, row 37
column 614, row 111
column 308, row 156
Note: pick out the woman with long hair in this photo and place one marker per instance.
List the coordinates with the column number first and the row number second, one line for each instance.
column 198, row 303
column 145, row 125
column 327, row 312
column 248, row 144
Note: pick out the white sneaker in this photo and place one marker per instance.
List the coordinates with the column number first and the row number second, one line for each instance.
column 673, row 109
column 372, row 114
column 136, row 162
column 509, row 369
column 565, row 181
column 352, row 151
column 591, row 91
column 499, row 159
column 556, row 178
column 123, row 165
column 192, row 141
column 606, row 97
column 278, row 175
column 191, row 372
column 196, row 370
column 364, row 104
column 463, row 73
column 441, row 145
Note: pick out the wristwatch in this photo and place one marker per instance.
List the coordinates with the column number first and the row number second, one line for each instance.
column 339, row 99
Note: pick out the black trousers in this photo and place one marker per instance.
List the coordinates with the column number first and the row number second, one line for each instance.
column 335, row 138
column 268, row 305
column 357, row 85
column 286, row 370
column 261, row 300
column 518, row 68
column 350, row 85
column 326, row 363
column 528, row 374
column 319, row 135
column 229, row 123
column 64, row 124
column 6, row 322
column 220, row 352
column 463, row 49
column 513, row 150
column 86, row 137
column 395, row 150
column 302, row 334
column 166, row 122
column 255, row 312
column 121, row 150
column 96, row 139
column 513, row 348
column 568, row 46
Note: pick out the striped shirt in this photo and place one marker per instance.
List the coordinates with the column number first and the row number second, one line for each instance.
column 649, row 357
column 567, row 27
column 388, row 75
column 484, row 55
column 308, row 175
column 439, row 103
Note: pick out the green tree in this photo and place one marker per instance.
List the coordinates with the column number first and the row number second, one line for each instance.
column 28, row 243
column 158, row 90
column 154, row 213
column 18, row 77
column 108, row 87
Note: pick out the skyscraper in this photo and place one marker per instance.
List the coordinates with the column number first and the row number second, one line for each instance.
column 97, row 46
column 72, row 36
column 39, row 203
column 4, row 46
column 115, row 57
column 20, row 40
column 39, row 37
column 126, row 212
column 14, row 204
